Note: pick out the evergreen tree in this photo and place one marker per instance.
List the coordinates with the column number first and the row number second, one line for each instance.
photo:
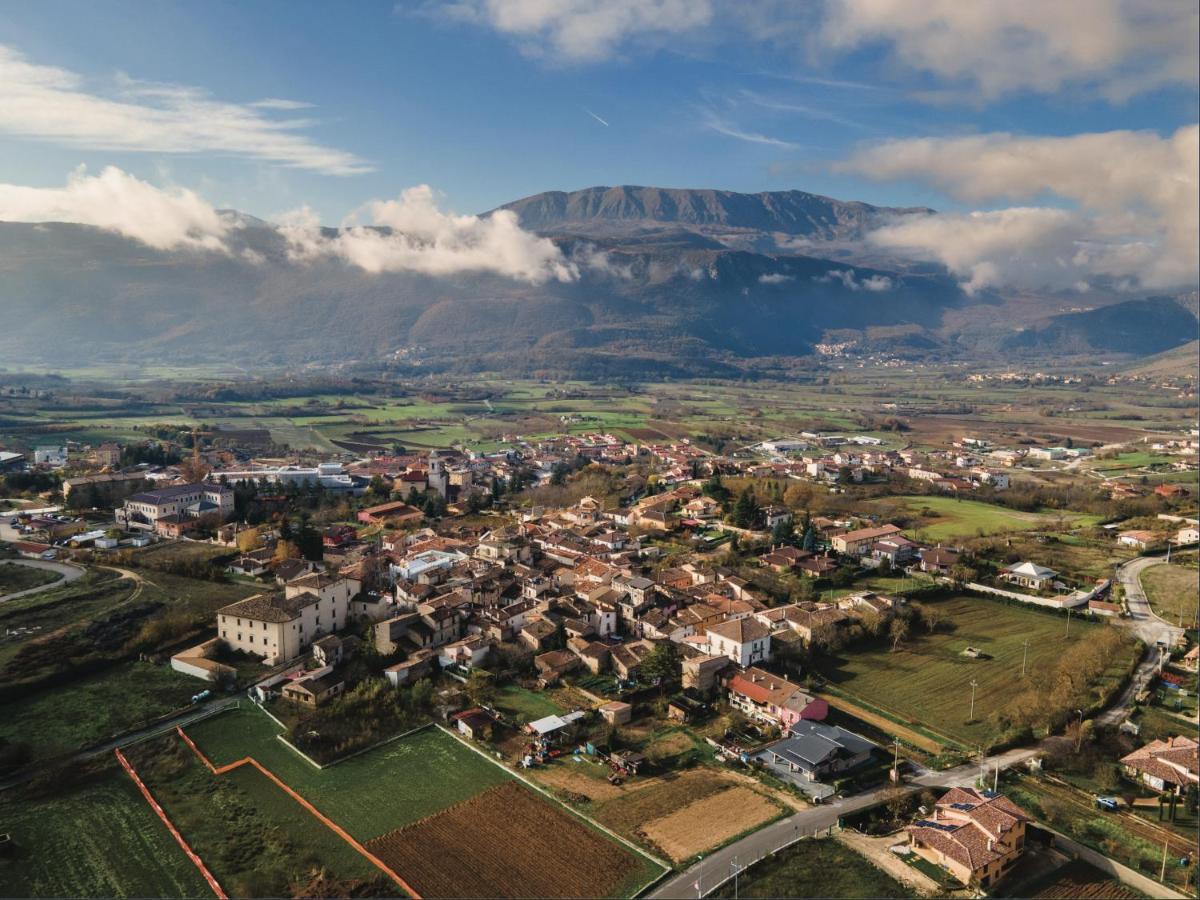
column 745, row 511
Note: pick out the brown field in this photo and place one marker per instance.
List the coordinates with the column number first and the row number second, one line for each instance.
column 1077, row 879
column 505, row 842
column 710, row 822
column 914, row 738
column 645, row 434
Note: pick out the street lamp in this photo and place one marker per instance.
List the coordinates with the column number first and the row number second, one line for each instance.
column 974, row 684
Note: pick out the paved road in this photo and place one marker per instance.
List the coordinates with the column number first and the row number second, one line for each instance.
column 67, row 571
column 1148, row 627
column 718, row 867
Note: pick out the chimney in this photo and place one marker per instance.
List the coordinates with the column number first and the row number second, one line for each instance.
column 935, row 812
column 990, row 843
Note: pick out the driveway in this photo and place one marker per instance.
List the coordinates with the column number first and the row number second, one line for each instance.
column 66, row 570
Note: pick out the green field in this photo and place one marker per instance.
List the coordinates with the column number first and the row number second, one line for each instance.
column 928, row 681
column 98, row 839
column 368, row 795
column 951, row 519
column 813, row 868
column 95, row 707
column 16, row 577
column 254, row 838
column 525, row 705
column 1173, row 592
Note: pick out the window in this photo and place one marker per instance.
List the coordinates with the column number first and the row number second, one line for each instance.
column 239, row 637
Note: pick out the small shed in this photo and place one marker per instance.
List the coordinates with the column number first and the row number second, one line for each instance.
column 475, row 724
column 616, row 712
column 629, row 760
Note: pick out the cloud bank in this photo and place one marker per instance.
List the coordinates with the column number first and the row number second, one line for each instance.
column 410, row 234
column 1132, row 207
column 848, row 278
column 117, row 201
column 53, row 104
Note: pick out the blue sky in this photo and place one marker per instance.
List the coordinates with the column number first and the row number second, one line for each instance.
column 421, row 96
column 1059, row 141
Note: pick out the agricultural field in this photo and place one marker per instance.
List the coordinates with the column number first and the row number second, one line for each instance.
column 509, row 842
column 96, row 838
column 16, row 577
column 927, row 680
column 1173, row 591
column 255, row 839
column 438, row 771
column 1079, row 881
column 677, row 815
column 429, row 779
column 82, row 712
column 950, row 519
column 814, row 868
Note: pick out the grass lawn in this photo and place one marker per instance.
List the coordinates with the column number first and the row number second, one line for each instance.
column 95, row 707
column 1173, row 591
column 928, row 681
column 814, row 868
column 255, row 839
column 951, row 518
column 98, row 839
column 524, row 705
column 368, row 795
column 16, row 577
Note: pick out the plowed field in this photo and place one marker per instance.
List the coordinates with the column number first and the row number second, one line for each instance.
column 507, row 842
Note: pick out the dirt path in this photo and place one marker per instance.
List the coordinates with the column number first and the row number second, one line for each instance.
column 876, row 849
column 884, row 724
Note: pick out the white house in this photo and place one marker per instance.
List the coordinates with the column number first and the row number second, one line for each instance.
column 745, row 641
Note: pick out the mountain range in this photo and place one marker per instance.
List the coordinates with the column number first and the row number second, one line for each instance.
column 671, row 282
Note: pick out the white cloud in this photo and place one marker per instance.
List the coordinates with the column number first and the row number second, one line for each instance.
column 583, row 30
column 774, row 278
column 993, row 47
column 714, row 122
column 116, row 201
column 849, row 279
column 53, row 104
column 981, row 49
column 1135, row 213
column 410, row 234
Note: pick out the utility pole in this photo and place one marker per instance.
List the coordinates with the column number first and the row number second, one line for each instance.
column 996, row 782
column 1024, row 657
column 736, row 870
column 974, row 684
column 1162, row 875
column 1068, row 634
column 896, row 764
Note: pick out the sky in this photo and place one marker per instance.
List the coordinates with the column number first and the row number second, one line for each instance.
column 1067, row 126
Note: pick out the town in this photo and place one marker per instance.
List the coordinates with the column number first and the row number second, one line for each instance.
column 608, row 662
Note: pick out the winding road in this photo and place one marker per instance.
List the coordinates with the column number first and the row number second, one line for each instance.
column 68, row 572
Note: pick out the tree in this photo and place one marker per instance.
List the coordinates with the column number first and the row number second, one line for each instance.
column 898, row 631
column 962, row 574
column 248, row 539
column 782, row 532
column 662, row 663
column 715, row 489
column 481, row 687
column 285, row 550
column 745, row 510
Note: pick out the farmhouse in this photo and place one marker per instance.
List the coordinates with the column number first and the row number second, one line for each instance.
column 1169, row 765
column 1030, row 575
column 314, row 692
column 1139, row 540
column 857, row 543
column 977, row 835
